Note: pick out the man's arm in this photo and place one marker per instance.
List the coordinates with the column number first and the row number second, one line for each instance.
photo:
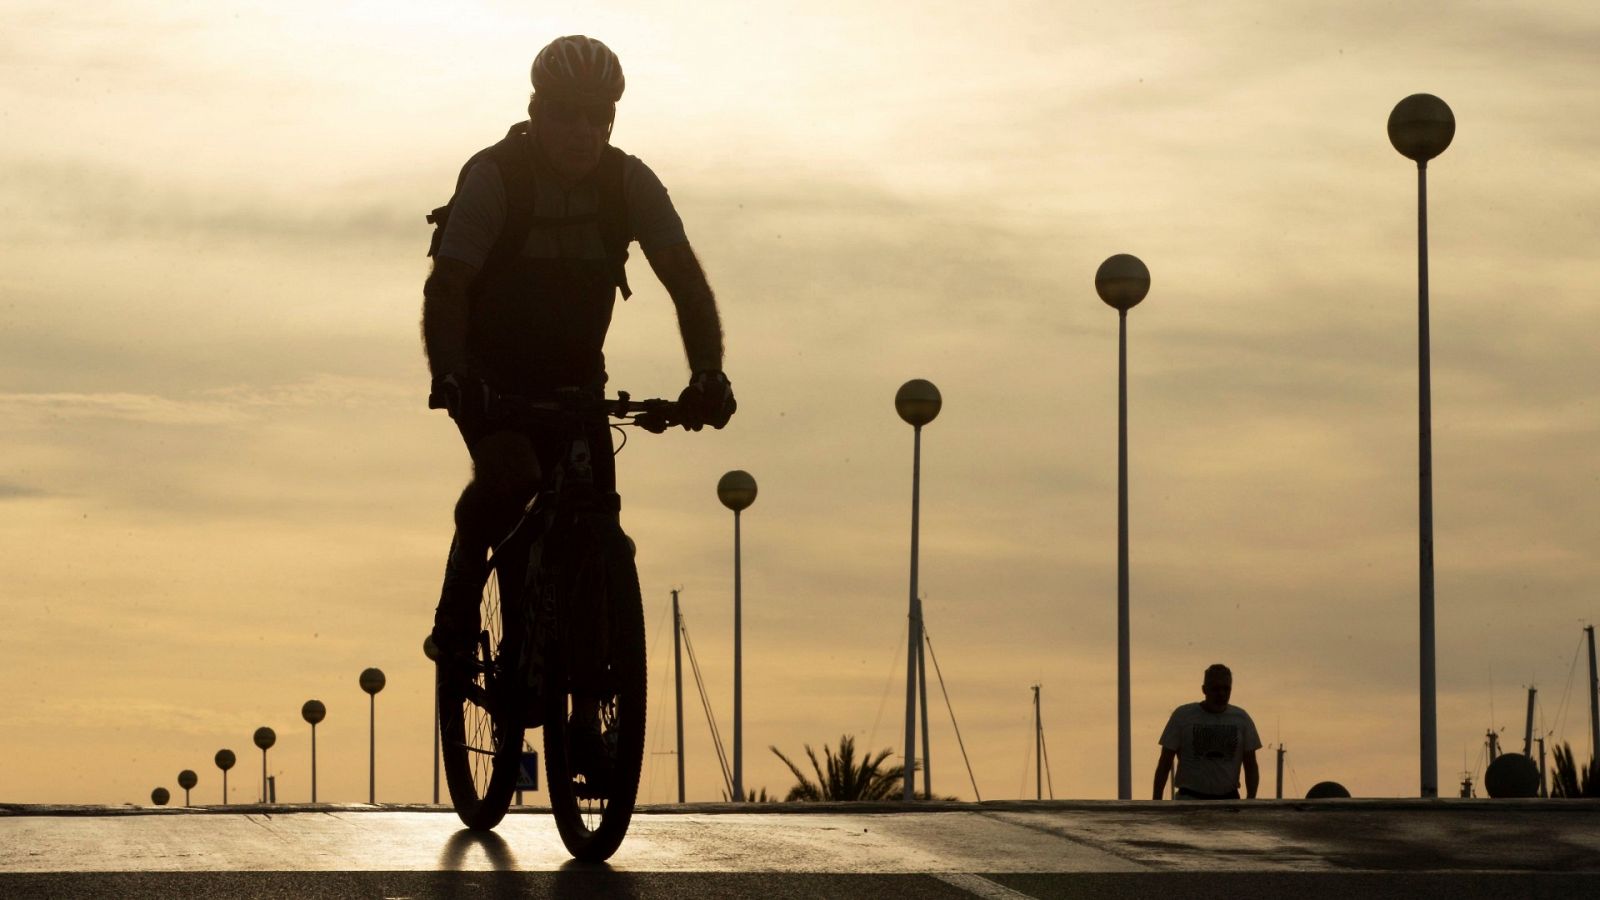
column 1252, row 774
column 444, row 316
column 698, row 321
column 1163, row 767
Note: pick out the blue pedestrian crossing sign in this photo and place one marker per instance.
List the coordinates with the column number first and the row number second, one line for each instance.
column 528, row 772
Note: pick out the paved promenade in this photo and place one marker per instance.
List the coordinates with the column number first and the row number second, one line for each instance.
column 1300, row 849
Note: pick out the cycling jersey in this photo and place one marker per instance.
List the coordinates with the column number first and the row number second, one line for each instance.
column 538, row 314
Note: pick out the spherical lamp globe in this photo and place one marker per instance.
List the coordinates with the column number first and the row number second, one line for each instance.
column 1421, row 126
column 265, row 737
column 736, row 490
column 918, row 402
column 313, row 711
column 372, row 680
column 1328, row 790
column 1512, row 775
column 1122, row 281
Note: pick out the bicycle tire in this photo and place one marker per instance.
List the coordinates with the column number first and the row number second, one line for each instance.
column 482, row 704
column 593, row 818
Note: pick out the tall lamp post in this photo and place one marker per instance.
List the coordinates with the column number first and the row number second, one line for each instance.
column 431, row 650
column 187, row 779
column 372, row 681
column 1421, row 126
column 918, row 403
column 224, row 760
column 313, row 712
column 1122, row 281
column 737, row 490
column 264, row 738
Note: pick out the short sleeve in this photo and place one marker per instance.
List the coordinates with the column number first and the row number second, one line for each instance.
column 1252, row 741
column 1172, row 735
column 654, row 221
column 476, row 216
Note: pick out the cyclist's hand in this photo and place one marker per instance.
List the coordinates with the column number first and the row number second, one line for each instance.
column 708, row 400
column 462, row 396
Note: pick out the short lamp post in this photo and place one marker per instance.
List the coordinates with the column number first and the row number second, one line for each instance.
column 264, row 738
column 737, row 490
column 1122, row 281
column 224, row 760
column 160, row 796
column 187, row 779
column 918, row 402
column 372, row 681
column 313, row 712
column 1420, row 127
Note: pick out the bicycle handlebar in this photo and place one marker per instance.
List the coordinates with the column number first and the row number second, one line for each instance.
column 655, row 415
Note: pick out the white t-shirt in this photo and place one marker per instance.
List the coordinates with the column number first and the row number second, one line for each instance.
column 1211, row 746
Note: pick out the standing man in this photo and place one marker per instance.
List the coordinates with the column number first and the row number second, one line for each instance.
column 528, row 258
column 1210, row 741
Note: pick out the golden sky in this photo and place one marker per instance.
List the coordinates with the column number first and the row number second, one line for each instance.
column 221, row 493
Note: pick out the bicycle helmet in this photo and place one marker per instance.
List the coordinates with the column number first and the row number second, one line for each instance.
column 578, row 69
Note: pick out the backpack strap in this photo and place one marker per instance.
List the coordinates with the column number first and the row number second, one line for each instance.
column 511, row 155
column 614, row 226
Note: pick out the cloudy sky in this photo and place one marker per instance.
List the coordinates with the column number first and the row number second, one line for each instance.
column 221, row 493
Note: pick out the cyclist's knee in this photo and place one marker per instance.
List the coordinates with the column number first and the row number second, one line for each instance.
column 505, row 463
column 483, row 513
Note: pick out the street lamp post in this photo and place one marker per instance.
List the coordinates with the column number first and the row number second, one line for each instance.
column 264, row 738
column 918, row 403
column 737, row 490
column 431, row 650
column 160, row 796
column 372, row 681
column 187, row 779
column 1421, row 126
column 313, row 711
column 224, row 760
column 1122, row 281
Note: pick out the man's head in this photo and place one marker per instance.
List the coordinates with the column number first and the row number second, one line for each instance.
column 577, row 82
column 1218, row 687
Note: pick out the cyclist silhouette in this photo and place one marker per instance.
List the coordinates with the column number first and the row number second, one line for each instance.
column 527, row 260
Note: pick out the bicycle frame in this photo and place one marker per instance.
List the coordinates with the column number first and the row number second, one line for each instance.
column 565, row 519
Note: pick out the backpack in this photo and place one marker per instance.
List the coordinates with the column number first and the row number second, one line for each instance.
column 510, row 154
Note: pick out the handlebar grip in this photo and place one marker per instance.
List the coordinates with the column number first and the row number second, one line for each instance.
column 653, row 422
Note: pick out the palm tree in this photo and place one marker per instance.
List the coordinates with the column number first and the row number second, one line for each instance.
column 843, row 778
column 1572, row 782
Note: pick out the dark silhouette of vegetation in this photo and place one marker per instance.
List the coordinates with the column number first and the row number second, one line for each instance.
column 753, row 796
column 1572, row 782
column 844, row 778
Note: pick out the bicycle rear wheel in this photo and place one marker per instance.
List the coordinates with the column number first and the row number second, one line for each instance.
column 482, row 702
column 603, row 668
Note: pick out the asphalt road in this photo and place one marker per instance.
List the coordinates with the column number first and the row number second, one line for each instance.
column 1299, row 849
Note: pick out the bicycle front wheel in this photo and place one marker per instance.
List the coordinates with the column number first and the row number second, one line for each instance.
column 482, row 702
column 593, row 772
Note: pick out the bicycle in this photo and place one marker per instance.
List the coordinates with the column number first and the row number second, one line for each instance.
column 561, row 637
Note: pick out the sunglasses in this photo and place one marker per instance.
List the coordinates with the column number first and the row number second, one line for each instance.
column 598, row 115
